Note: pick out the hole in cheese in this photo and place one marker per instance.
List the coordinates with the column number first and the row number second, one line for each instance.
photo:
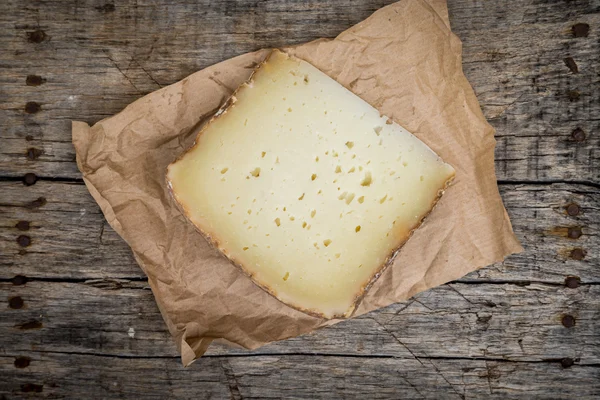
column 367, row 180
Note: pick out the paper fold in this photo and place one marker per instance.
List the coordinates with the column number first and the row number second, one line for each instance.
column 405, row 61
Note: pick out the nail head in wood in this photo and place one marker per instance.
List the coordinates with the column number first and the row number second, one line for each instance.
column 22, row 225
column 29, row 179
column 32, row 387
column 578, row 254
column 24, row 240
column 37, row 36
column 572, row 282
column 574, row 232
column 19, row 280
column 578, row 135
column 33, row 153
column 567, row 362
column 573, row 209
column 568, row 321
column 571, row 64
column 22, row 362
column 31, row 107
column 34, row 80
column 580, row 30
column 16, row 302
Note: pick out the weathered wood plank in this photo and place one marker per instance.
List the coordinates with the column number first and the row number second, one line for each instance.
column 292, row 377
column 485, row 321
column 490, row 335
column 528, row 92
column 100, row 61
column 71, row 239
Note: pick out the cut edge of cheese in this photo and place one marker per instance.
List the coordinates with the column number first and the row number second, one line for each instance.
column 216, row 242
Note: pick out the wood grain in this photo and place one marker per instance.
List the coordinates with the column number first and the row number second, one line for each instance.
column 70, row 238
column 486, row 321
column 527, row 92
column 79, row 320
column 291, row 377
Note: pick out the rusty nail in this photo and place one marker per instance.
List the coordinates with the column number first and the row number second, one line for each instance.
column 32, row 107
column 567, row 362
column 22, row 362
column 578, row 254
column 22, row 225
column 568, row 321
column 574, row 232
column 580, row 30
column 15, row 302
column 29, row 179
column 19, row 280
column 578, row 135
column 573, row 209
column 572, row 282
column 24, row 240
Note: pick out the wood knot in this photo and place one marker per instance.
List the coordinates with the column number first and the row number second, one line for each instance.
column 568, row 321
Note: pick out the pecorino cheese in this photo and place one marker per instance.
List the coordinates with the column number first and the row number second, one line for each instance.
column 306, row 187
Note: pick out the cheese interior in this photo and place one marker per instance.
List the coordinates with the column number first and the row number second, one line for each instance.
column 306, row 187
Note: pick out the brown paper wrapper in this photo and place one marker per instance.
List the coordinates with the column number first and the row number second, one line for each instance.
column 405, row 61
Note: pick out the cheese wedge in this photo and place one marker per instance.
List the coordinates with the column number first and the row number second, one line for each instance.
column 306, row 187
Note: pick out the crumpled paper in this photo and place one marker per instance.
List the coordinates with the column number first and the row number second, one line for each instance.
column 405, row 61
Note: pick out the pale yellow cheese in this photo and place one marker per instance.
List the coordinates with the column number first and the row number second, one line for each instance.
column 306, row 187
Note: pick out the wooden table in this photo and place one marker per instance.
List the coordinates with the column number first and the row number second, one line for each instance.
column 79, row 320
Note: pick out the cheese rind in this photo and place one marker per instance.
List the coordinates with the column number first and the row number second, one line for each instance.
column 306, row 187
